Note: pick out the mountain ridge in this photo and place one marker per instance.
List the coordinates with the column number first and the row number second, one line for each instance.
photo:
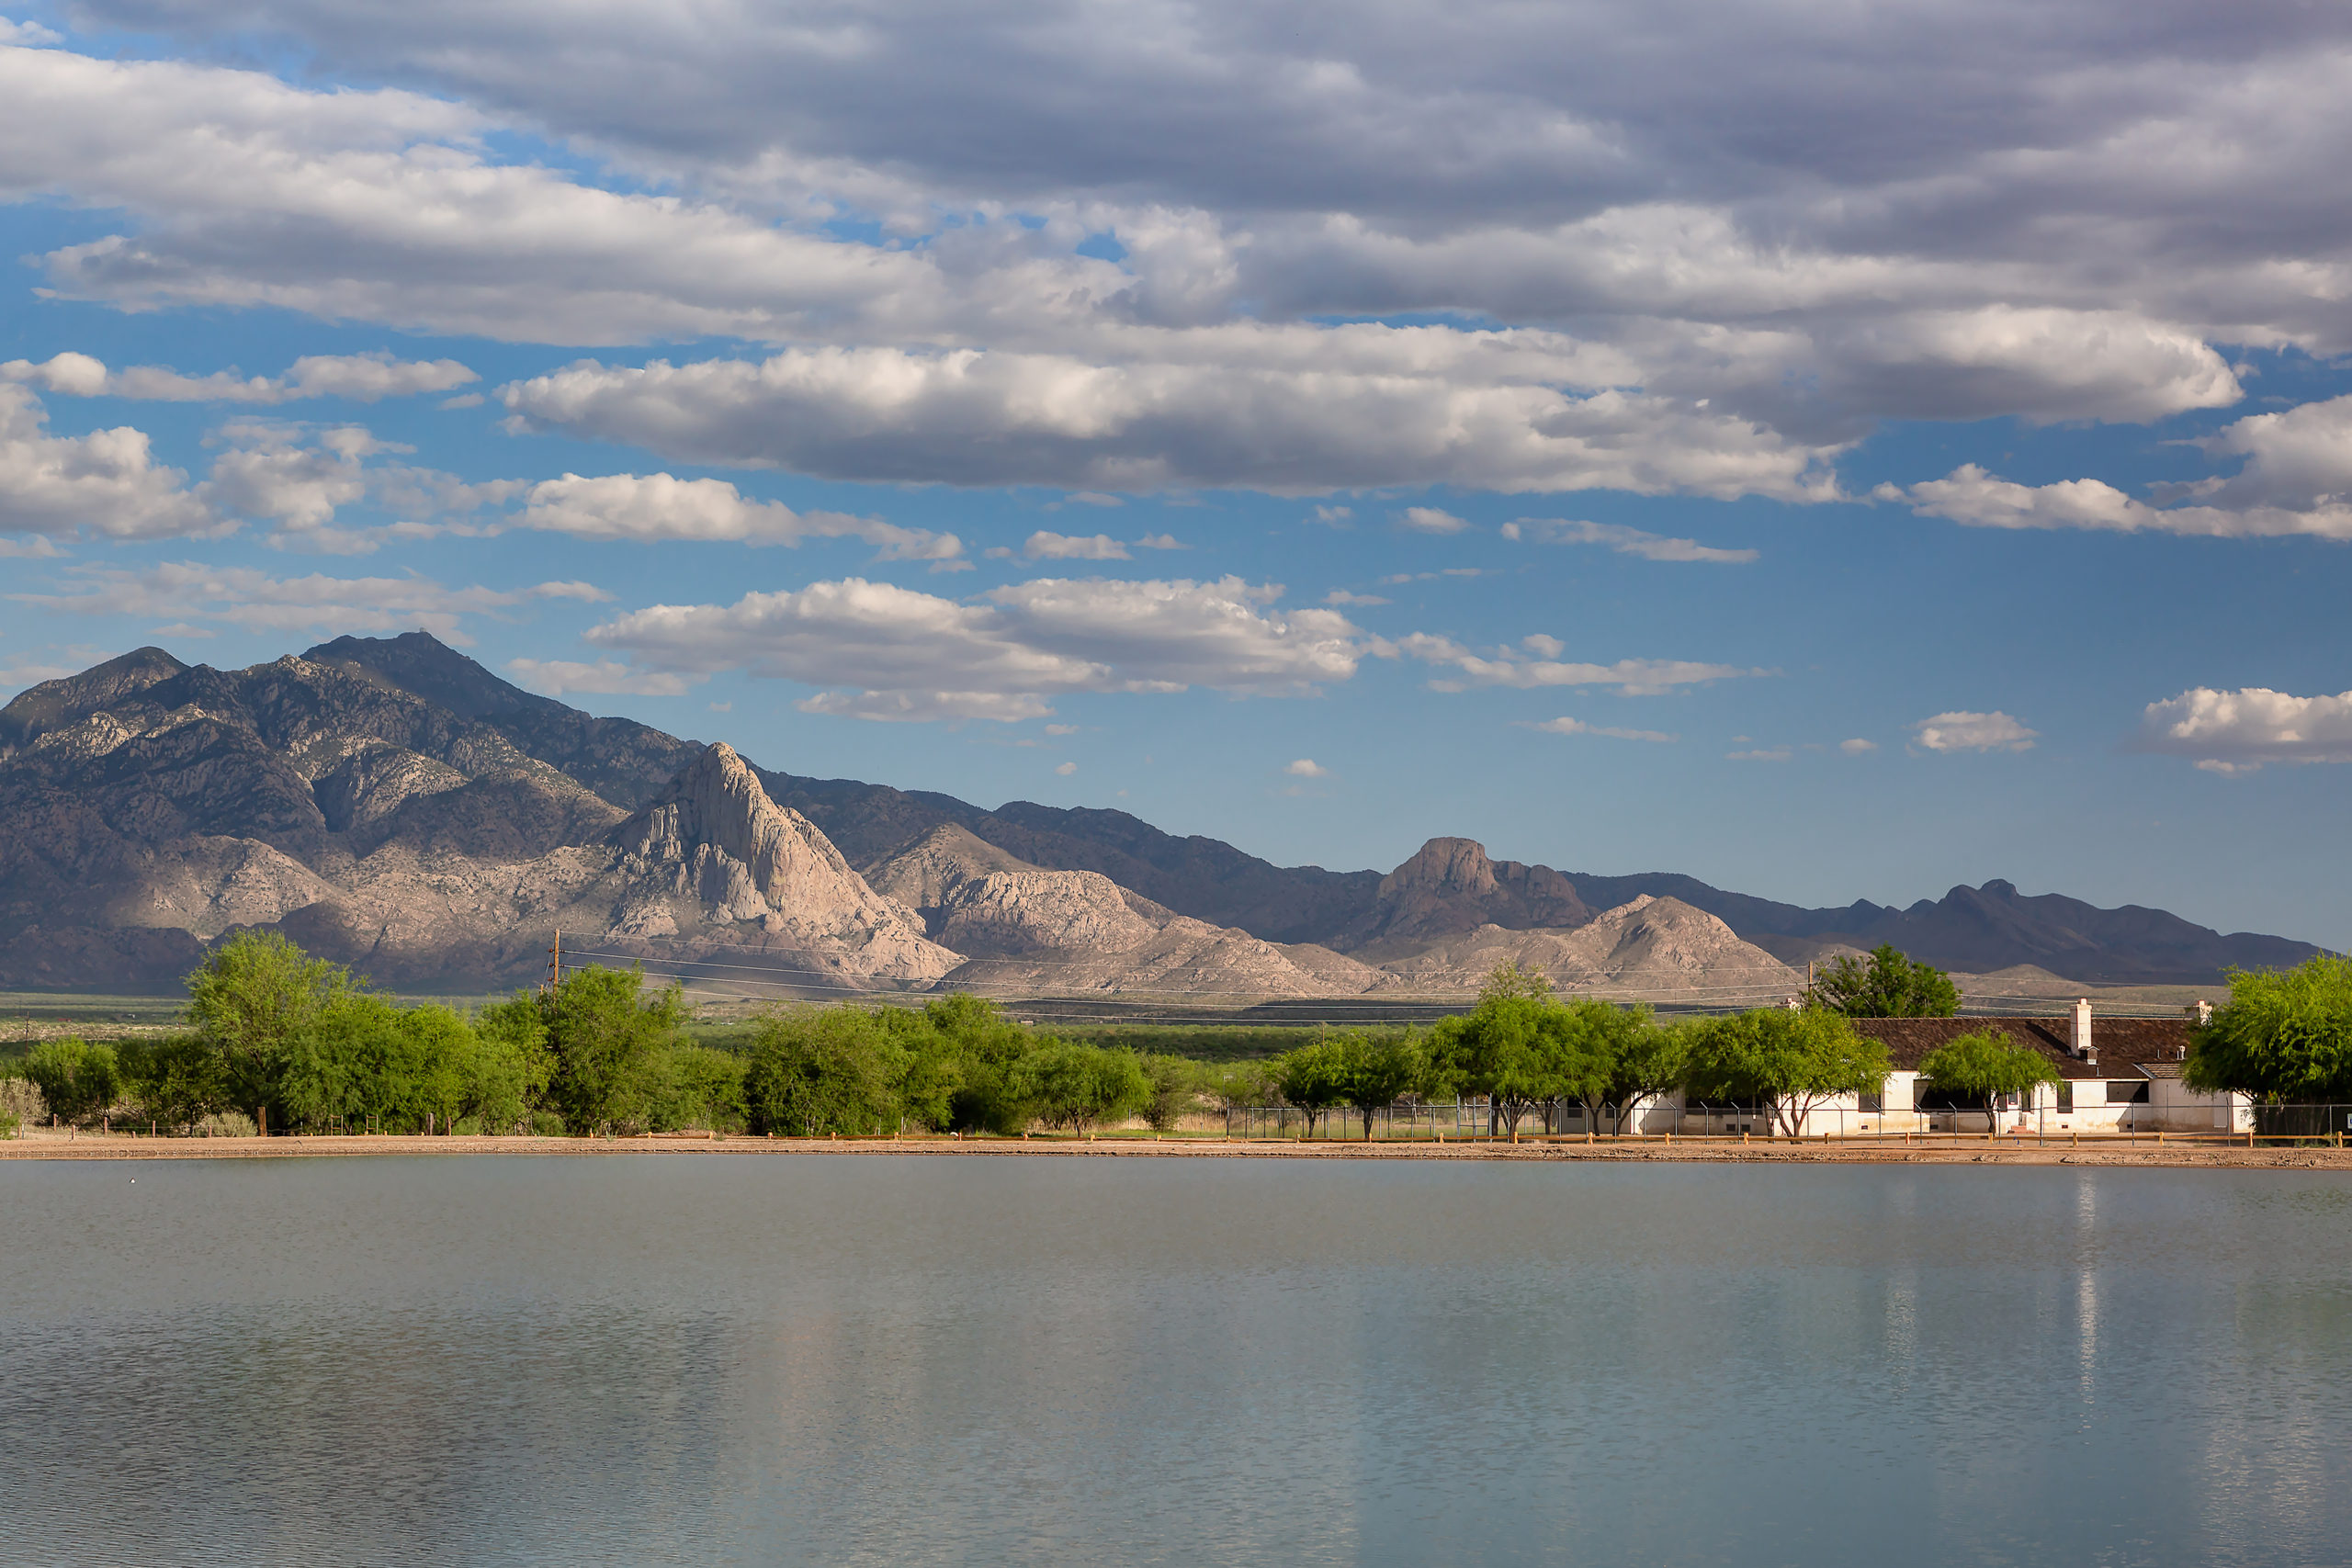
column 150, row 796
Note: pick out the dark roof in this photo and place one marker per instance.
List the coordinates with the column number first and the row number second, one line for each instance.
column 2122, row 1045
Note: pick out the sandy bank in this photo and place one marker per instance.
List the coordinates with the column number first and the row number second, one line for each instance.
column 48, row 1146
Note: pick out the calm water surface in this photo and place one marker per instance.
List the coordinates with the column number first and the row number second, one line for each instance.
column 917, row 1360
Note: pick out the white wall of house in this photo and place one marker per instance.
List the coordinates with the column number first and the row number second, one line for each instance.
column 2176, row 1108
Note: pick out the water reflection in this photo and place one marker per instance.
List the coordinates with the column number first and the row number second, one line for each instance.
column 866, row 1360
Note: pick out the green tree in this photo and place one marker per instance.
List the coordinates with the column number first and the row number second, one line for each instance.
column 931, row 1067
column 256, row 1001
column 1380, row 1073
column 2284, row 1035
column 1987, row 1063
column 1513, row 1048
column 1889, row 986
column 1653, row 1060
column 176, row 1081
column 695, row 1085
column 602, row 1035
column 1175, row 1088
column 1591, row 1039
column 78, row 1079
column 1081, row 1086
column 813, row 1073
column 985, row 1047
column 1311, row 1079
column 1793, row 1059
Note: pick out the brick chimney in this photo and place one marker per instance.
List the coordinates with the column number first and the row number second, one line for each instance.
column 2080, row 1036
column 2202, row 1010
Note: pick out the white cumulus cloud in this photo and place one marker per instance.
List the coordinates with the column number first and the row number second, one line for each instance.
column 1963, row 731
column 2239, row 731
column 660, row 508
column 1045, row 546
column 106, row 482
column 1306, row 768
column 361, row 377
column 886, row 652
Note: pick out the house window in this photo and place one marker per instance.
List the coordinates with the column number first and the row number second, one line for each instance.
column 2126, row 1092
column 2065, row 1097
column 1872, row 1103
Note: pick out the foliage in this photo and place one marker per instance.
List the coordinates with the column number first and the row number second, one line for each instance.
column 984, row 1047
column 176, row 1081
column 1793, row 1059
column 1381, row 1072
column 1651, row 1061
column 78, row 1079
column 1515, row 1048
column 19, row 1102
column 256, row 1001
column 1508, row 979
column 695, row 1086
column 603, row 1038
column 2284, row 1035
column 1081, row 1086
column 1987, row 1063
column 815, row 1074
column 1889, row 985
column 1313, row 1078
column 1175, row 1089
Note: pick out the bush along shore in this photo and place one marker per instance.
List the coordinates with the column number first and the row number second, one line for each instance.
column 276, row 1042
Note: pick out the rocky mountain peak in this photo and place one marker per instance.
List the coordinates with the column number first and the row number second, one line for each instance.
column 1444, row 867
column 1451, row 886
column 713, row 849
column 424, row 666
column 54, row 704
column 922, row 873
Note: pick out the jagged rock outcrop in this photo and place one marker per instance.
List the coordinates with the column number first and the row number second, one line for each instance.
column 1027, row 929
column 1450, row 887
column 712, row 852
column 922, row 874
column 1648, row 944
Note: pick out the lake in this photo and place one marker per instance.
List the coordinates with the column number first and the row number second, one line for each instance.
column 888, row 1359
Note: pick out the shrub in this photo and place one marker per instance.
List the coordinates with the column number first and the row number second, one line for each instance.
column 78, row 1079
column 20, row 1104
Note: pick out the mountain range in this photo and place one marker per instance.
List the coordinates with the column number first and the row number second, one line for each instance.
column 393, row 804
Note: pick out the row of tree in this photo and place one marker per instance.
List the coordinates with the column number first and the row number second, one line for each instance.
column 1528, row 1054
column 284, row 1040
column 278, row 1039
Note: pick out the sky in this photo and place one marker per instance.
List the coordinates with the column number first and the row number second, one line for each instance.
column 1834, row 452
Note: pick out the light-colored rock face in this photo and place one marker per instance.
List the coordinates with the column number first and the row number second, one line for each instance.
column 923, row 873
column 1648, row 944
column 1027, row 931
column 1027, row 911
column 1183, row 958
column 714, row 858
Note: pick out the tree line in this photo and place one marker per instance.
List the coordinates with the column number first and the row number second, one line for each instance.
column 278, row 1039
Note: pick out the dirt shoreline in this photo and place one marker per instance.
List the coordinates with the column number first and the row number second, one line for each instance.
column 50, row 1147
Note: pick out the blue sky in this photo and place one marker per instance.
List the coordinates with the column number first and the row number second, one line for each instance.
column 1834, row 463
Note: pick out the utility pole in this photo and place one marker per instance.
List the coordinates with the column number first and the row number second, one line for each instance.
column 555, row 965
